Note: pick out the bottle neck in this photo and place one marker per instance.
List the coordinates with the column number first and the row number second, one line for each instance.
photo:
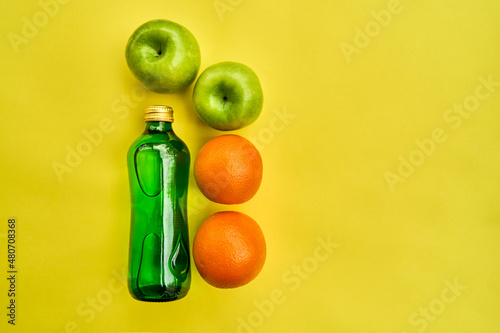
column 153, row 127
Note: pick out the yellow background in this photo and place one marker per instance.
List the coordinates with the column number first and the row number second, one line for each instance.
column 349, row 119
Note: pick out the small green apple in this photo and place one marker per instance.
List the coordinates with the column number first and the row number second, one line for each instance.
column 163, row 55
column 228, row 96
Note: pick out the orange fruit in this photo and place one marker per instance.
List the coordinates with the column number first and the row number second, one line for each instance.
column 228, row 169
column 229, row 249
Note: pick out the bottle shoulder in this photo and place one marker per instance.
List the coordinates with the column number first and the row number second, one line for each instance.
column 168, row 142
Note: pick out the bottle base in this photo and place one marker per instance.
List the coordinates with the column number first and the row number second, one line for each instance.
column 158, row 297
column 158, row 300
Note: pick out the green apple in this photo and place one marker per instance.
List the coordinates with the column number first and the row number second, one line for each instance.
column 228, row 96
column 163, row 55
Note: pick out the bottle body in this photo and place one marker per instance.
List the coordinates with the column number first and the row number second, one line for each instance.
column 158, row 165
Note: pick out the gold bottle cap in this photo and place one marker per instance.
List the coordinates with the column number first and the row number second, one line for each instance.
column 159, row 113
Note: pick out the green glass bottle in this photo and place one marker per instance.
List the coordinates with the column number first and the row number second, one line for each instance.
column 158, row 166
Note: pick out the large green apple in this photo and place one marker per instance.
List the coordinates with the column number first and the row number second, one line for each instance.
column 228, row 96
column 163, row 55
